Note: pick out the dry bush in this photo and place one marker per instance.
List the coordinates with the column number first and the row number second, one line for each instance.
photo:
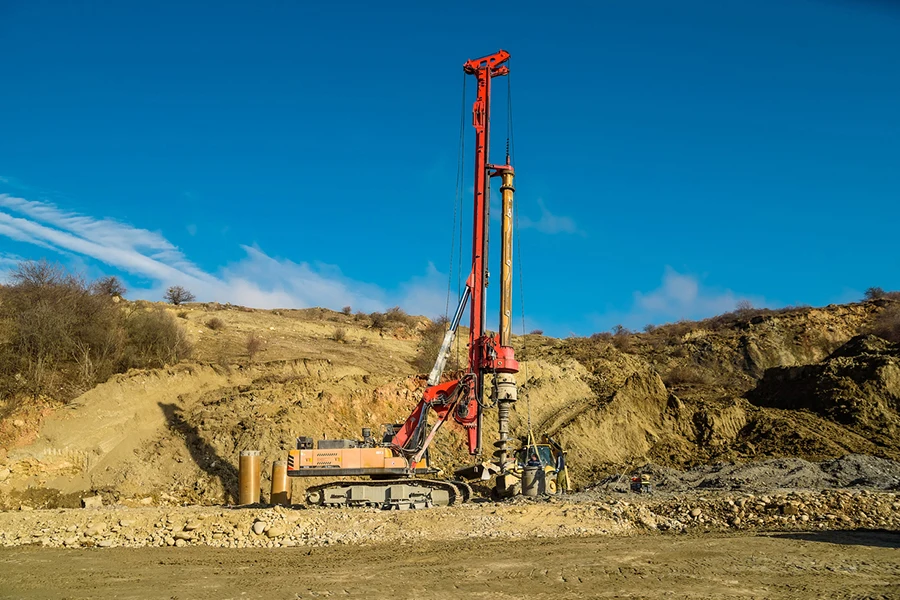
column 339, row 334
column 58, row 335
column 687, row 375
column 392, row 318
column 154, row 340
column 253, row 344
column 430, row 345
column 182, row 314
column 536, row 332
column 887, row 324
column 109, row 286
column 347, row 310
column 216, row 324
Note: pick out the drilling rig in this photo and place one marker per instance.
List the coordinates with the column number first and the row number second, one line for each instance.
column 397, row 465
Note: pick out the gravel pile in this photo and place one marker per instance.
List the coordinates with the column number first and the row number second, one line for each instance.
column 851, row 471
column 614, row 514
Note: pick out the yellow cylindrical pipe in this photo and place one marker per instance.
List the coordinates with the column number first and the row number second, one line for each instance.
column 248, row 477
column 281, row 484
column 506, row 257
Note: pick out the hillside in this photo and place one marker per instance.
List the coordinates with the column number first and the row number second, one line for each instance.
column 744, row 386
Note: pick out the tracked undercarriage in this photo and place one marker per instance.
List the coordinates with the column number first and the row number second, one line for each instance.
column 396, row 494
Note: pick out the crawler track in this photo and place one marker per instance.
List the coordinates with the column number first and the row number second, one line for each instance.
column 398, row 494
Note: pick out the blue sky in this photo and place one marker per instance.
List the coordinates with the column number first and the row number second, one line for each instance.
column 672, row 158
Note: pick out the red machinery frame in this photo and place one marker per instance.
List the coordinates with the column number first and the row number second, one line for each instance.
column 461, row 399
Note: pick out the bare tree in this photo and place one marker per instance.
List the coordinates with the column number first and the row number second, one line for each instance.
column 109, row 286
column 178, row 295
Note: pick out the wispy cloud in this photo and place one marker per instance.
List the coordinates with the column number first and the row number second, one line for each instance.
column 257, row 280
column 679, row 296
column 549, row 222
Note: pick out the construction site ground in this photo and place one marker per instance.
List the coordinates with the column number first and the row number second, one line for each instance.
column 772, row 440
column 821, row 564
column 791, row 543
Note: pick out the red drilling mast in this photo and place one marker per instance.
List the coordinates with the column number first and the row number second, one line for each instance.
column 403, row 451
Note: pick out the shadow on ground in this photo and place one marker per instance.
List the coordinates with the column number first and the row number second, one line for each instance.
column 203, row 454
column 877, row 538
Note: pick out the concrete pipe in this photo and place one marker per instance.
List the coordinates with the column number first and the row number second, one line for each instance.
column 533, row 481
column 248, row 477
column 281, row 484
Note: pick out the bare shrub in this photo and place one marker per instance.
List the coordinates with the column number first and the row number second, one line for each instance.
column 109, row 286
column 253, row 344
column 58, row 335
column 536, row 332
column 430, row 345
column 216, row 324
column 687, row 375
column 874, row 293
column 339, row 334
column 154, row 340
column 347, row 310
column 887, row 324
column 379, row 321
column 182, row 314
column 178, row 295
column 622, row 339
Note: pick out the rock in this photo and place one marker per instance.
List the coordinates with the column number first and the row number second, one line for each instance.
column 259, row 527
column 146, row 501
column 92, row 501
column 18, row 423
column 183, row 535
column 72, row 528
column 126, row 523
column 72, row 541
column 275, row 531
column 790, row 509
column 95, row 529
column 4, row 474
column 25, row 507
column 180, row 543
column 736, row 521
column 193, row 525
column 696, row 512
column 106, row 543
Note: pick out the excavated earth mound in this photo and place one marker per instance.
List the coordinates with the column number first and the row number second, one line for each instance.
column 851, row 471
column 802, row 384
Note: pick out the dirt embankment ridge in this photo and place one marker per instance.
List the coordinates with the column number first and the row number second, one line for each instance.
column 743, row 387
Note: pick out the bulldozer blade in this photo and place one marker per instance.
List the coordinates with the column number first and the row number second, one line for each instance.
column 482, row 470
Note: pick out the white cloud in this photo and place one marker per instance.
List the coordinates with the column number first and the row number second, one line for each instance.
column 550, row 223
column 258, row 280
column 679, row 296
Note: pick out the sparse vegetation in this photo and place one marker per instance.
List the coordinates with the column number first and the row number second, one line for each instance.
column 347, row 310
column 536, row 332
column 877, row 293
column 689, row 374
column 154, row 339
column 109, row 286
column 216, row 324
column 393, row 318
column 60, row 336
column 887, row 324
column 178, row 295
column 339, row 334
column 430, row 345
column 253, row 344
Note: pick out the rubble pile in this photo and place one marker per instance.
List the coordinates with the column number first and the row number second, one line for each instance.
column 524, row 518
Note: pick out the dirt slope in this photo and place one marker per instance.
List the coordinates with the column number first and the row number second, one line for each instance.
column 736, row 388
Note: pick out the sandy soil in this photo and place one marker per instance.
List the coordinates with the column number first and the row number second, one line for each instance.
column 832, row 564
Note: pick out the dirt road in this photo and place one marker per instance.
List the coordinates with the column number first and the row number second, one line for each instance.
column 833, row 564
